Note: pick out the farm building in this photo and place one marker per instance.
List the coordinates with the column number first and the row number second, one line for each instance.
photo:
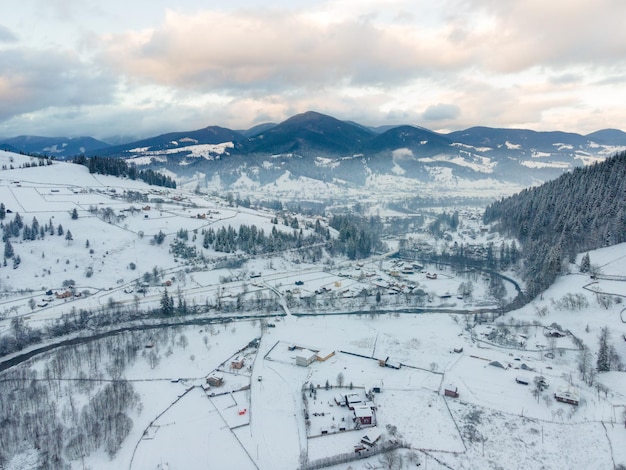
column 352, row 399
column 567, row 395
column 305, row 357
column 237, row 363
column 451, row 391
column 363, row 415
column 372, row 436
column 215, row 380
column 324, row 355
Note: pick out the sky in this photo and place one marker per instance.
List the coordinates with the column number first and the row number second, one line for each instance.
column 131, row 69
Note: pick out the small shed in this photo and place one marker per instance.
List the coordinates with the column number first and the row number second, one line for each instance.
column 215, row 380
column 451, row 391
column 522, row 380
column 364, row 415
column 497, row 364
column 373, row 435
column 305, row 357
column 458, row 349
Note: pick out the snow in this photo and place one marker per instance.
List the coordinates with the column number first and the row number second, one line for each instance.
column 249, row 423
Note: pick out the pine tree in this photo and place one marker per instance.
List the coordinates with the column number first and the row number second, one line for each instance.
column 604, row 358
column 74, row 214
column 585, row 263
column 167, row 304
column 8, row 249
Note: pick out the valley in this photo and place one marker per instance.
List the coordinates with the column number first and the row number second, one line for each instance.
column 248, row 347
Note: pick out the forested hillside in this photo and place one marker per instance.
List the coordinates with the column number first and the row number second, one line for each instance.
column 580, row 211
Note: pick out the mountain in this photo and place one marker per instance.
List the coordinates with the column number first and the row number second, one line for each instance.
column 417, row 139
column 60, row 147
column 306, row 133
column 173, row 141
column 608, row 137
column 324, row 150
column 510, row 138
column 257, row 129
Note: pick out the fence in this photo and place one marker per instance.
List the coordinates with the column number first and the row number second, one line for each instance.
column 352, row 456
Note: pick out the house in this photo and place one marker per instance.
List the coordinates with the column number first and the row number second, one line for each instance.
column 352, row 399
column 567, row 395
column 340, row 400
column 324, row 355
column 372, row 436
column 451, row 391
column 215, row 380
column 65, row 295
column 237, row 363
column 363, row 415
column 305, row 357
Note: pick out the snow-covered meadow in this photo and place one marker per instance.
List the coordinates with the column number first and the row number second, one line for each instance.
column 257, row 418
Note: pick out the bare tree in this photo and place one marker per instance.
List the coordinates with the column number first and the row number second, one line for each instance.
column 340, row 379
column 390, row 460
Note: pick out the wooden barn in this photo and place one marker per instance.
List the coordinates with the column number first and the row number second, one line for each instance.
column 215, row 380
column 451, row 391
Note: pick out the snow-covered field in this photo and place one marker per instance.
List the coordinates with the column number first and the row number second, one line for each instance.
column 273, row 413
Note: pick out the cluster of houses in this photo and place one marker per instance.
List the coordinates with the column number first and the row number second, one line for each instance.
column 66, row 294
column 363, row 410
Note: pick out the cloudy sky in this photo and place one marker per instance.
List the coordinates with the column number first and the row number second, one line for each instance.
column 141, row 67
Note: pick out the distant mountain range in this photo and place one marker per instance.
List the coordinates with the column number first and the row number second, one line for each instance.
column 318, row 146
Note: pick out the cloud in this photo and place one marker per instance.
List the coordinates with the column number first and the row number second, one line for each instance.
column 515, row 36
column 6, row 35
column 275, row 49
column 449, row 64
column 440, row 112
column 31, row 80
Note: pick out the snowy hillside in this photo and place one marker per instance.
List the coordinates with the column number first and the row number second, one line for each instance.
column 182, row 351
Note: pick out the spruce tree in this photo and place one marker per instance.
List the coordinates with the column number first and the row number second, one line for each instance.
column 8, row 249
column 604, row 358
column 585, row 263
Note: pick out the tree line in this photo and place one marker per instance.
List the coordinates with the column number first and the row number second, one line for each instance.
column 579, row 211
column 118, row 167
